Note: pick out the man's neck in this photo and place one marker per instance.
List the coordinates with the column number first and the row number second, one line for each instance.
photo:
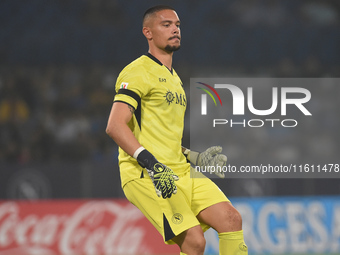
column 164, row 57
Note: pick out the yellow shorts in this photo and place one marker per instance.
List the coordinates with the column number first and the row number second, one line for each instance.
column 174, row 215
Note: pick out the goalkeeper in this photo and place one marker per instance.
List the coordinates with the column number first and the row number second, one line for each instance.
column 146, row 121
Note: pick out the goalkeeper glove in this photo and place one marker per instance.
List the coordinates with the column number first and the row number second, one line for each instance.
column 163, row 177
column 211, row 157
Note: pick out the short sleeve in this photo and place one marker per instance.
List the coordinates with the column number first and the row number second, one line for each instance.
column 131, row 86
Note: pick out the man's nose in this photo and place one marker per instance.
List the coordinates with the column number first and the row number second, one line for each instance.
column 176, row 30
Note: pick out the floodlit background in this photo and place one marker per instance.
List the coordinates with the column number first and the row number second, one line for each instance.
column 59, row 61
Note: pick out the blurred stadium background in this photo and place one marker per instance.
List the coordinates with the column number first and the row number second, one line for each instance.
column 59, row 61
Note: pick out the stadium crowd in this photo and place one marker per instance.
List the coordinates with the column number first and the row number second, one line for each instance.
column 54, row 113
column 51, row 109
column 60, row 113
column 59, row 61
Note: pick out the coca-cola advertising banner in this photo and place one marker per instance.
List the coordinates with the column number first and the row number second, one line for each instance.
column 77, row 227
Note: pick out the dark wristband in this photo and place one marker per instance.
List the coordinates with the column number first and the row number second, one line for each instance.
column 146, row 159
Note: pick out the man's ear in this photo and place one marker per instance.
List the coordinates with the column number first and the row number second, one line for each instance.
column 147, row 33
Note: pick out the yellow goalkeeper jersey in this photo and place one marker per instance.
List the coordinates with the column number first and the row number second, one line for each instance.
column 157, row 95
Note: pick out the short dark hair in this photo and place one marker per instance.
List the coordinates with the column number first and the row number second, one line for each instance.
column 155, row 9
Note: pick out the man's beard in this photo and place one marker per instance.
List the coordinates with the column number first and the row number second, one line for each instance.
column 170, row 49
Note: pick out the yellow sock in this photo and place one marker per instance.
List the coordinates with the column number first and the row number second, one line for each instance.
column 232, row 243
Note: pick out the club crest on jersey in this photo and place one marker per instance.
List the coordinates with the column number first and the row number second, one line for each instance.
column 124, row 85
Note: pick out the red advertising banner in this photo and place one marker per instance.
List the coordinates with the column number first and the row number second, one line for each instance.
column 77, row 227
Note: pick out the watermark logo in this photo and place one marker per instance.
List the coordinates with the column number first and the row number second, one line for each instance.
column 280, row 98
column 204, row 97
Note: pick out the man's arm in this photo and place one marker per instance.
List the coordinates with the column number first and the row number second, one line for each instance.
column 118, row 130
column 163, row 177
column 190, row 155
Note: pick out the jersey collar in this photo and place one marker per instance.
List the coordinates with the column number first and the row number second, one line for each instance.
column 148, row 54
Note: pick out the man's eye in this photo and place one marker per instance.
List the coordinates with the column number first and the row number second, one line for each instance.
column 166, row 25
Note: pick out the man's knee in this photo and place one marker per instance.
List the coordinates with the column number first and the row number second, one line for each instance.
column 192, row 240
column 232, row 220
column 236, row 217
column 198, row 243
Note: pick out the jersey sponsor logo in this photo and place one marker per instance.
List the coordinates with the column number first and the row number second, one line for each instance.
column 177, row 98
column 177, row 218
column 180, row 99
column 169, row 97
column 124, row 85
column 162, row 79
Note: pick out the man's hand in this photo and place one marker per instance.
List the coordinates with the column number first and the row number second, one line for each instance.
column 211, row 157
column 163, row 177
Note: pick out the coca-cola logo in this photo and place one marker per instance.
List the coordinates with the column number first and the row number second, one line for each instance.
column 95, row 227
